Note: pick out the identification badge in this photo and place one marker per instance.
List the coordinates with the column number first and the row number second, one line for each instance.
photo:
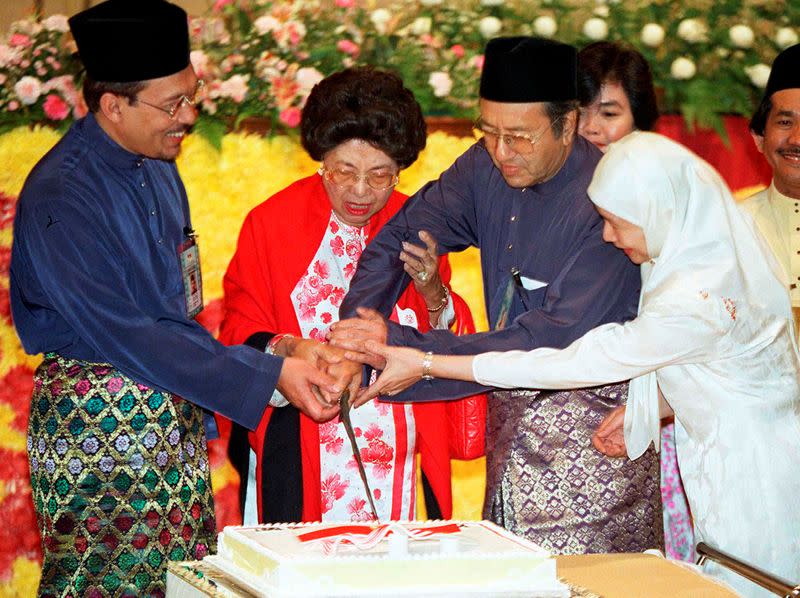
column 190, row 273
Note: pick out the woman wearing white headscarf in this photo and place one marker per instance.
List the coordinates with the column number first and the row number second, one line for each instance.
column 713, row 334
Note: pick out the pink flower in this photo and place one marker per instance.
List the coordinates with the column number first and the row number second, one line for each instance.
column 55, row 108
column 348, row 47
column 345, row 3
column 457, row 50
column 13, row 105
column 477, row 62
column 19, row 40
column 220, row 4
column 290, row 117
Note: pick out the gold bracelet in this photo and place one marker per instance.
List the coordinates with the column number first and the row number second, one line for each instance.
column 443, row 303
column 427, row 364
column 274, row 341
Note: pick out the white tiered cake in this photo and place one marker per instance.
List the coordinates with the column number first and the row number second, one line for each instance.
column 413, row 558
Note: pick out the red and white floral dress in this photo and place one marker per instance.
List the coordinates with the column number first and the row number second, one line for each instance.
column 385, row 432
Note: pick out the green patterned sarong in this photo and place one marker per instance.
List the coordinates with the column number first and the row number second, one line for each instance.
column 120, row 479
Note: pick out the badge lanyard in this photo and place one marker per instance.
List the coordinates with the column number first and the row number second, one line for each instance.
column 189, row 255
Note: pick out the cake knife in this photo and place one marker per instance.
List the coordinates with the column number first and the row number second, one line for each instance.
column 344, row 416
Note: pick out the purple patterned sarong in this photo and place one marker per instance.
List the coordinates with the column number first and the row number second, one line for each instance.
column 545, row 480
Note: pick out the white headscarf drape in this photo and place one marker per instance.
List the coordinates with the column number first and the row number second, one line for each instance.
column 697, row 239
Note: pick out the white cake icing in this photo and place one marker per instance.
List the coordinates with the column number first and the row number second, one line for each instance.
column 458, row 559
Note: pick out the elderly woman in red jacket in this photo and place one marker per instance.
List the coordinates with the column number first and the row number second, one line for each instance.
column 296, row 255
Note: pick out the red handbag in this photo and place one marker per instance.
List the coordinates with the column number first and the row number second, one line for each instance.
column 466, row 417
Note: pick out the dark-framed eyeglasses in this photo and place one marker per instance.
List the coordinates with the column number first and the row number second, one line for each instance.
column 173, row 109
column 378, row 181
column 521, row 143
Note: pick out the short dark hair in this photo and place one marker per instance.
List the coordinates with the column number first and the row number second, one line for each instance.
column 556, row 111
column 363, row 103
column 94, row 90
column 616, row 62
column 759, row 121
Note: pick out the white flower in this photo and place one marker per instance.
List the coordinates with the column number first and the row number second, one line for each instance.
column 441, row 83
column 308, row 77
column 652, row 35
column 200, row 62
column 693, row 30
column 741, row 36
column 759, row 74
column 56, row 23
column 595, row 29
column 421, row 26
column 26, row 27
column 785, row 37
column 380, row 18
column 235, row 88
column 682, row 68
column 430, row 2
column 266, row 24
column 601, row 11
column 489, row 26
column 8, row 55
column 545, row 26
column 28, row 90
column 492, row 2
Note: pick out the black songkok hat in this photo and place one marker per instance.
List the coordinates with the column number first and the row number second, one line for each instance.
column 121, row 41
column 785, row 73
column 529, row 69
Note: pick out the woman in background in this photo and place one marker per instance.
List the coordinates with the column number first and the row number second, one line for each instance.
column 296, row 255
column 615, row 89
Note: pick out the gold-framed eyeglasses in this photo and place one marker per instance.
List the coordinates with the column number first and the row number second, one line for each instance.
column 521, row 143
column 378, row 181
column 182, row 101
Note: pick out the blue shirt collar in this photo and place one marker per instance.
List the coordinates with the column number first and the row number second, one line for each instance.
column 106, row 148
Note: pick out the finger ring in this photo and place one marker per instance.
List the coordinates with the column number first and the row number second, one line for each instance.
column 422, row 275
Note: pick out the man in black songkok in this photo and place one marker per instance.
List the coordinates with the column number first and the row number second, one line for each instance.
column 520, row 195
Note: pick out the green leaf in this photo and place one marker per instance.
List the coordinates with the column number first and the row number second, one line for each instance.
column 211, row 129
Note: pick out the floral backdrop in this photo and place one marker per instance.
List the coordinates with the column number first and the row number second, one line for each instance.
column 259, row 60
column 262, row 57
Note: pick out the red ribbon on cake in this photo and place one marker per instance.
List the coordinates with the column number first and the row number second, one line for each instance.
column 367, row 536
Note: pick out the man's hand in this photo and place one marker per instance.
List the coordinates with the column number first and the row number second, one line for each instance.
column 352, row 334
column 403, row 368
column 609, row 437
column 328, row 359
column 300, row 383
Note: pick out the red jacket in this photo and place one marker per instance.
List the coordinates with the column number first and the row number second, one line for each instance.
column 278, row 241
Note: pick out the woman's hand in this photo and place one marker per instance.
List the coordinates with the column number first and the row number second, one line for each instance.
column 609, row 437
column 403, row 368
column 422, row 265
column 332, row 360
column 352, row 334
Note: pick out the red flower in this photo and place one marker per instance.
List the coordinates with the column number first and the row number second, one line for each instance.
column 322, row 269
column 337, row 246
column 55, row 108
column 326, row 318
column 15, row 391
column 333, row 488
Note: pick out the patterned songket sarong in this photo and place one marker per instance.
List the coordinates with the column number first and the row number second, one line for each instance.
column 120, row 481
column 547, row 482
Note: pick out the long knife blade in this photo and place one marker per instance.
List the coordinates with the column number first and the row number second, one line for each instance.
column 344, row 417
